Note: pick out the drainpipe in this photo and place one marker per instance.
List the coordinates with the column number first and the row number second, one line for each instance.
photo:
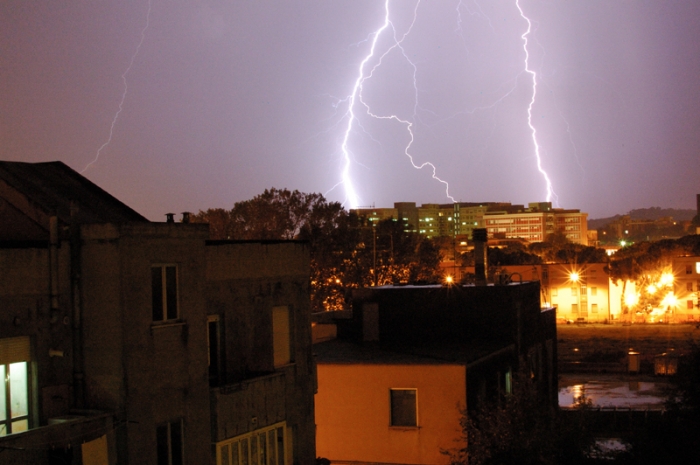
column 77, row 305
column 53, row 261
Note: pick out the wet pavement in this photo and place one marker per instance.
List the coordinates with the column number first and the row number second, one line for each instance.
column 613, row 391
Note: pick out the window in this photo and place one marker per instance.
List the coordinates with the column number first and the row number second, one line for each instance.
column 574, row 308
column 689, row 268
column 164, row 292
column 697, row 267
column 169, row 443
column 14, row 385
column 403, row 407
column 594, row 291
column 574, row 291
column 689, row 287
column 594, row 308
column 265, row 446
column 690, row 304
column 281, row 336
column 555, row 292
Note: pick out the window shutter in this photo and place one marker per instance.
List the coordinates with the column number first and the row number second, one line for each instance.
column 14, row 349
column 280, row 336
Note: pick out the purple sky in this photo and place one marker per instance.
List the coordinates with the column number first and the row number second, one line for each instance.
column 227, row 98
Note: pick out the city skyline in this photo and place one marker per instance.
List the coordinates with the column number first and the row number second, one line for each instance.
column 224, row 100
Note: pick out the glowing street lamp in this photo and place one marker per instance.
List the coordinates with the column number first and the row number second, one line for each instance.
column 631, row 299
column 666, row 279
column 574, row 276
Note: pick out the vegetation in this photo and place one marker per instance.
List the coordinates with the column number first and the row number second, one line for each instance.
column 672, row 439
column 346, row 252
column 555, row 249
column 520, row 429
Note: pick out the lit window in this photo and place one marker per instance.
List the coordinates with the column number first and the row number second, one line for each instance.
column 169, row 443
column 697, row 267
column 594, row 291
column 403, row 407
column 164, row 292
column 14, row 385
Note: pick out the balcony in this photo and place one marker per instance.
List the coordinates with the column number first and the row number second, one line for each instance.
column 250, row 404
column 81, row 430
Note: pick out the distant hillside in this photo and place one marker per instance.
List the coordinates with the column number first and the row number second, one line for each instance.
column 653, row 213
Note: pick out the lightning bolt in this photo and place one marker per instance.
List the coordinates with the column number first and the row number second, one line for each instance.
column 550, row 191
column 351, row 196
column 121, row 102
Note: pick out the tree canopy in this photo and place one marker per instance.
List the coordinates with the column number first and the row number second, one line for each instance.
column 346, row 251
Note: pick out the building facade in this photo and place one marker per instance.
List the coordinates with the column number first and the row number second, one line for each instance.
column 411, row 360
column 502, row 220
column 126, row 341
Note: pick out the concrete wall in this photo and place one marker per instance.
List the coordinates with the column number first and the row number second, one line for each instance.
column 25, row 310
column 353, row 412
column 148, row 372
column 245, row 280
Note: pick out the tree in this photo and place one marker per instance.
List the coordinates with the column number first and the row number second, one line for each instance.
column 518, row 429
column 220, row 223
column 345, row 252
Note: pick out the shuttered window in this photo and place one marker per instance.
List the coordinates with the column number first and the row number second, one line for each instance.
column 281, row 337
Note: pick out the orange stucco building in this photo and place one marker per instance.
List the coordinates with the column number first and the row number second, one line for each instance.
column 354, row 418
column 411, row 360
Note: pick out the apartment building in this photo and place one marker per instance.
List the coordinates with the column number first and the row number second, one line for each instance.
column 126, row 341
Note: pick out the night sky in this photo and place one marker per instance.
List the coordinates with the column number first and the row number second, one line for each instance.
column 227, row 98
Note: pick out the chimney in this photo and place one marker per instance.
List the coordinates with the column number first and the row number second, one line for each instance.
column 480, row 259
column 170, row 217
column 185, row 217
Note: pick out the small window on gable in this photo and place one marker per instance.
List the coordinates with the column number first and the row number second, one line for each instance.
column 164, row 292
column 403, row 407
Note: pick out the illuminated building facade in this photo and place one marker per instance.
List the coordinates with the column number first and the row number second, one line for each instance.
column 502, row 220
column 686, row 287
column 580, row 293
column 536, row 222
